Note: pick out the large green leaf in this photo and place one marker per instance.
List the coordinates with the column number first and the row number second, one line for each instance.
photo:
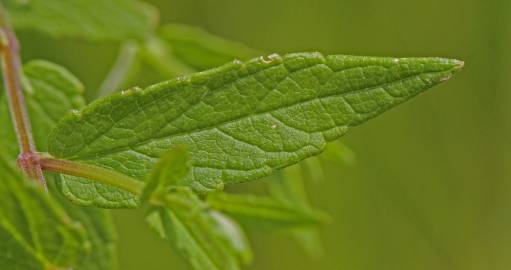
column 94, row 20
column 240, row 121
column 51, row 92
column 35, row 232
column 207, row 239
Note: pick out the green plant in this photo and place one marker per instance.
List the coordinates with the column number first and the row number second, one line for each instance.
column 173, row 146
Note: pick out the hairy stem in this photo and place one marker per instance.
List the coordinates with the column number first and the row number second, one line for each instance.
column 11, row 67
column 110, row 178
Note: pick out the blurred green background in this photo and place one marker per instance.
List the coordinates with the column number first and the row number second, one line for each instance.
column 431, row 188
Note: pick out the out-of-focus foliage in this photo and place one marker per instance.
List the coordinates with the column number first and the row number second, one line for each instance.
column 201, row 50
column 207, row 239
column 92, row 20
column 264, row 212
column 175, row 50
column 36, row 233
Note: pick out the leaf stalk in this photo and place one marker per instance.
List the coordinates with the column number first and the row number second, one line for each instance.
column 110, row 178
column 93, row 172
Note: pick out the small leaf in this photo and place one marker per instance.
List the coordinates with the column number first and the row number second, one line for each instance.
column 205, row 238
column 240, row 121
column 263, row 212
column 95, row 20
column 172, row 167
column 238, row 241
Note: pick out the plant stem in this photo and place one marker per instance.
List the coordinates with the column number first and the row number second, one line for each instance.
column 11, row 67
column 110, row 178
column 93, row 172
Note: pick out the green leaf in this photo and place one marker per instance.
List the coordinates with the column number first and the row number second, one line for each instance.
column 172, row 167
column 35, row 232
column 338, row 152
column 100, row 229
column 207, row 239
column 51, row 92
column 201, row 50
column 240, row 121
column 95, row 20
column 237, row 241
column 264, row 212
column 176, row 50
column 289, row 188
column 142, row 64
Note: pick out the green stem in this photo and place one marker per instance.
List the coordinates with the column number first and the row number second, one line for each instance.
column 11, row 67
column 110, row 178
column 93, row 172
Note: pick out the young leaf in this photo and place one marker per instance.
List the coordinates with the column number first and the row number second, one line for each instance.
column 200, row 235
column 237, row 240
column 172, row 167
column 263, row 212
column 51, row 92
column 35, row 233
column 240, row 121
column 95, row 20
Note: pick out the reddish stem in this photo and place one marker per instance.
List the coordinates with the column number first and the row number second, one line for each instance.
column 28, row 159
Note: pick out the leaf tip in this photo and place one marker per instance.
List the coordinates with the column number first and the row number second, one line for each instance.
column 457, row 65
column 453, row 66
